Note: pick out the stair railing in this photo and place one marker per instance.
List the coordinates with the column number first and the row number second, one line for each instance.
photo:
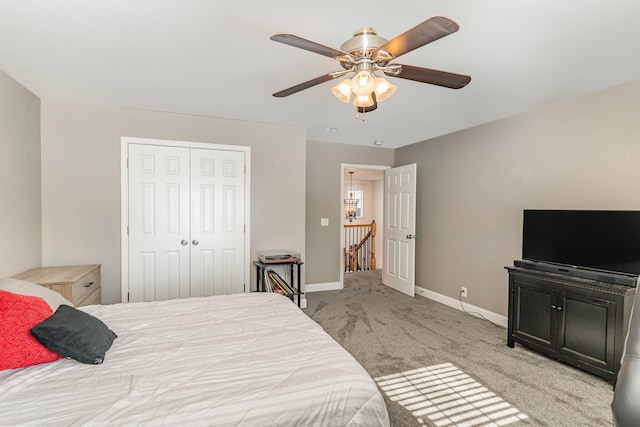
column 359, row 252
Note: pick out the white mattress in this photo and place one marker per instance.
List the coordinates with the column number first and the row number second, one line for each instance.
column 235, row 360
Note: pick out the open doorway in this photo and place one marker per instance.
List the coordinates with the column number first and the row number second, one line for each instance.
column 358, row 250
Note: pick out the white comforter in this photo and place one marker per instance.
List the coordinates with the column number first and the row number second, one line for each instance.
column 235, row 360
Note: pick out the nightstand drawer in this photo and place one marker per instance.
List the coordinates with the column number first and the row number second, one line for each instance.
column 80, row 284
column 80, row 290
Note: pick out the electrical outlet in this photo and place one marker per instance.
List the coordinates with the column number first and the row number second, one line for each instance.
column 463, row 292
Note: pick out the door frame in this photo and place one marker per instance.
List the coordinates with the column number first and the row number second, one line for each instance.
column 124, row 199
column 344, row 166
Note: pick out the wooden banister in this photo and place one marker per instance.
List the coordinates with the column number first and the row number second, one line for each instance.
column 357, row 237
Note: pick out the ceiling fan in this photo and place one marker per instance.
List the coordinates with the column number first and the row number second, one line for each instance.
column 366, row 52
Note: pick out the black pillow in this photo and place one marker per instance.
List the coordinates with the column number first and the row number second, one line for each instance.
column 76, row 334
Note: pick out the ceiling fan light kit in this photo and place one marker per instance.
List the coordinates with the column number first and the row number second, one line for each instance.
column 364, row 84
column 367, row 53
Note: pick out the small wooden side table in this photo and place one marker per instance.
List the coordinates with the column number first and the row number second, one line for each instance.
column 80, row 284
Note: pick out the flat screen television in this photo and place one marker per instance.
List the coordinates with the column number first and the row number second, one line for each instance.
column 599, row 240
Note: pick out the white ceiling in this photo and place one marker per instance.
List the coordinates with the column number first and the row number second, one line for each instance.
column 214, row 58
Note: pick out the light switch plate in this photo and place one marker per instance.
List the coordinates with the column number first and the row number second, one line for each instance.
column 324, row 222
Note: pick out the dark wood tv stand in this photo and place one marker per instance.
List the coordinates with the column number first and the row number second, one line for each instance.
column 582, row 322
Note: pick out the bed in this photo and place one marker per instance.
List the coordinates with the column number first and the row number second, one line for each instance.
column 234, row 360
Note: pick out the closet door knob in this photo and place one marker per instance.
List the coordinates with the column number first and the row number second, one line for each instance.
column 195, row 242
column 184, row 242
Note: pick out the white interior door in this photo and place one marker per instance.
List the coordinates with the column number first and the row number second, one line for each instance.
column 399, row 228
column 186, row 222
column 159, row 265
column 217, row 222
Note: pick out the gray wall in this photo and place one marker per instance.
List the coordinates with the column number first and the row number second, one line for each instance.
column 473, row 185
column 324, row 200
column 81, row 180
column 20, row 213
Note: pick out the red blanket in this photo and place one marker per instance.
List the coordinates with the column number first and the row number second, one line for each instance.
column 18, row 314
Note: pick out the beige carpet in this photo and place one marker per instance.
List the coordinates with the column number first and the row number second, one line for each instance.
column 438, row 366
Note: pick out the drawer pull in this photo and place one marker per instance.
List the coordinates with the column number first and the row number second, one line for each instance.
column 88, row 285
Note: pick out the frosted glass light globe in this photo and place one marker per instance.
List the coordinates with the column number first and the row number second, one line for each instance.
column 342, row 90
column 363, row 83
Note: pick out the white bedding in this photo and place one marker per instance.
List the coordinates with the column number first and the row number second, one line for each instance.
column 235, row 360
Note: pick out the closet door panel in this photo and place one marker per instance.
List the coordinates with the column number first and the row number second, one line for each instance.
column 158, row 222
column 217, row 222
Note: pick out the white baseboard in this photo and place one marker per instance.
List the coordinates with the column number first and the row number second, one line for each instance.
column 317, row 287
column 443, row 299
column 454, row 303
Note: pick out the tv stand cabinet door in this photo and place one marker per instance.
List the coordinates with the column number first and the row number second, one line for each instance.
column 587, row 329
column 534, row 317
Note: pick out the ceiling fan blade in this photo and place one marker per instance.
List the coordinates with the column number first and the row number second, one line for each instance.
column 434, row 77
column 295, row 41
column 430, row 30
column 305, row 85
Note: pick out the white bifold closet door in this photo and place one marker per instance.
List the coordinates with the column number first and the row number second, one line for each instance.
column 186, row 222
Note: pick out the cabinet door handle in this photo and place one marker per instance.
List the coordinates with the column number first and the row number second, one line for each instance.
column 559, row 308
column 553, row 307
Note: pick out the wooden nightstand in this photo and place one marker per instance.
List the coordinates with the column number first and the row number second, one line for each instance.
column 80, row 284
